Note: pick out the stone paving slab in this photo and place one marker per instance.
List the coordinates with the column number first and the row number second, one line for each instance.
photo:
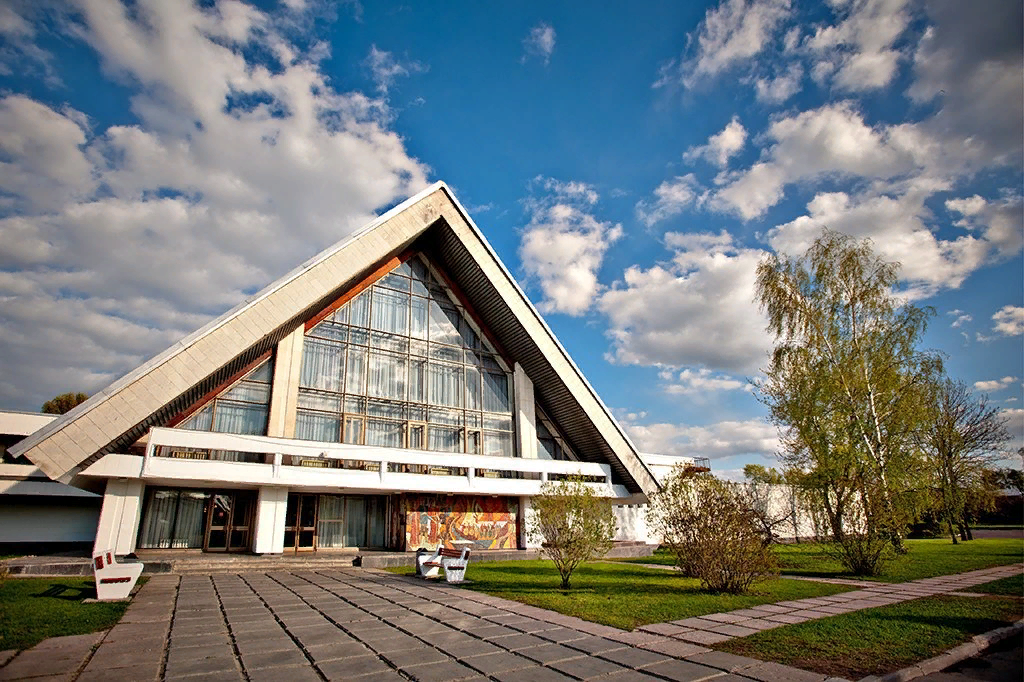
column 368, row 625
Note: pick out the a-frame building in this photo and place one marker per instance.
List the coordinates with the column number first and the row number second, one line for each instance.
column 396, row 391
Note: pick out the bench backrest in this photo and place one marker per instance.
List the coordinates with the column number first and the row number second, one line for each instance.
column 453, row 553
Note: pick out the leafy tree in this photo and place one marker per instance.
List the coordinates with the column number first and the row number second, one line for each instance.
column 1011, row 478
column 846, row 382
column 711, row 531
column 64, row 403
column 572, row 523
column 961, row 438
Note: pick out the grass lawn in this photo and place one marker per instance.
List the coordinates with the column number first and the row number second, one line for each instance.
column 880, row 640
column 32, row 609
column 622, row 595
column 1012, row 586
column 926, row 558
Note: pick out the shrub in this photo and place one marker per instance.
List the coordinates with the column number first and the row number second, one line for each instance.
column 572, row 523
column 714, row 537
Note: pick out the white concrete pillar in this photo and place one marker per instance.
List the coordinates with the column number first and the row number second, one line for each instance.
column 526, row 414
column 270, row 514
column 120, row 515
column 526, row 514
column 284, row 394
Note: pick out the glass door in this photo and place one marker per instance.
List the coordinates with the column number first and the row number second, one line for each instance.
column 300, row 523
column 228, row 522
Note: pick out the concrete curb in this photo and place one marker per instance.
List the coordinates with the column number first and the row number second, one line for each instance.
column 978, row 644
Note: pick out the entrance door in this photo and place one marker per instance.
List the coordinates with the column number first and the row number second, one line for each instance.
column 300, row 523
column 228, row 522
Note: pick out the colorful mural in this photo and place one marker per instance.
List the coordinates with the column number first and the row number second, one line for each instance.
column 487, row 522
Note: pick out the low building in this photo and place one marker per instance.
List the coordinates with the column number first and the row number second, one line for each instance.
column 37, row 514
column 396, row 391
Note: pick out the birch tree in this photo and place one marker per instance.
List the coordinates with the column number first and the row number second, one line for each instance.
column 846, row 382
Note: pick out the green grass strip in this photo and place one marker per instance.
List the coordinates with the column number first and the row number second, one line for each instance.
column 879, row 640
column 1012, row 586
column 623, row 595
column 34, row 609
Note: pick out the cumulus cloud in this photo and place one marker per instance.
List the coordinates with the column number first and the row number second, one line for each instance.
column 701, row 381
column 998, row 221
column 696, row 310
column 671, row 197
column 962, row 318
column 1009, row 321
column 720, row 146
column 540, row 42
column 780, row 88
column 242, row 160
column 860, row 47
column 832, row 139
column 730, row 34
column 714, row 441
column 993, row 385
column 563, row 245
column 385, row 68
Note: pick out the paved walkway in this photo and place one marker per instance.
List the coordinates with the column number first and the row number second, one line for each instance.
column 358, row 624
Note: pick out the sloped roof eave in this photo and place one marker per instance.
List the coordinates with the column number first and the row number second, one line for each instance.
column 633, row 463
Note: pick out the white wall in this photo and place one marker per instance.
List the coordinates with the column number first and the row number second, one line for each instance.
column 53, row 522
column 631, row 520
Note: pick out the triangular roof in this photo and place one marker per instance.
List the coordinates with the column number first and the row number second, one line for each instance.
column 432, row 221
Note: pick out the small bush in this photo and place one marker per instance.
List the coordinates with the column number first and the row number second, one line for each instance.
column 572, row 523
column 714, row 537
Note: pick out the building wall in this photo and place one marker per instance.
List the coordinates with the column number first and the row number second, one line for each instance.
column 48, row 520
column 486, row 522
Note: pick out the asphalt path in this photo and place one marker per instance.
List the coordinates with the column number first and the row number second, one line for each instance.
column 1004, row 661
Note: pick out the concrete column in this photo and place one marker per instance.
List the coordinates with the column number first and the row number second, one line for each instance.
column 270, row 513
column 526, row 414
column 120, row 515
column 284, row 395
column 526, row 515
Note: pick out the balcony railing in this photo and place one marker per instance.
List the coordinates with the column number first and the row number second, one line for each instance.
column 258, row 460
column 700, row 464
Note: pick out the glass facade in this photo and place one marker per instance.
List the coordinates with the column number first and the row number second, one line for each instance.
column 241, row 409
column 400, row 365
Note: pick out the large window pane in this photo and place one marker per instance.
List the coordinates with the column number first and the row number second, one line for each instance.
column 359, row 310
column 417, row 381
column 354, row 430
column 322, row 365
column 444, row 323
column 386, row 376
column 384, row 433
column 200, row 421
column 498, row 443
column 313, row 426
column 418, row 321
column 495, row 389
column 444, row 439
column 446, row 384
column 240, row 419
column 390, row 311
column 472, row 388
column 355, row 522
column 355, row 378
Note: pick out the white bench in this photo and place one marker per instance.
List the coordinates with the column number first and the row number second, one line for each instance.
column 114, row 580
column 452, row 561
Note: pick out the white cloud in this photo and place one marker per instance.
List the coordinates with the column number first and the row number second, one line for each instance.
column 118, row 241
column 722, row 145
column 670, row 198
column 696, row 310
column 970, row 62
column 962, row 318
column 833, row 139
column 993, row 385
column 730, row 34
column 777, row 90
column 860, row 48
column 385, row 68
column 999, row 222
column 702, row 381
column 1009, row 321
column 540, row 43
column 563, row 245
column 714, row 441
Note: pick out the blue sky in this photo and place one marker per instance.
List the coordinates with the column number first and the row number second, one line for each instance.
column 631, row 167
